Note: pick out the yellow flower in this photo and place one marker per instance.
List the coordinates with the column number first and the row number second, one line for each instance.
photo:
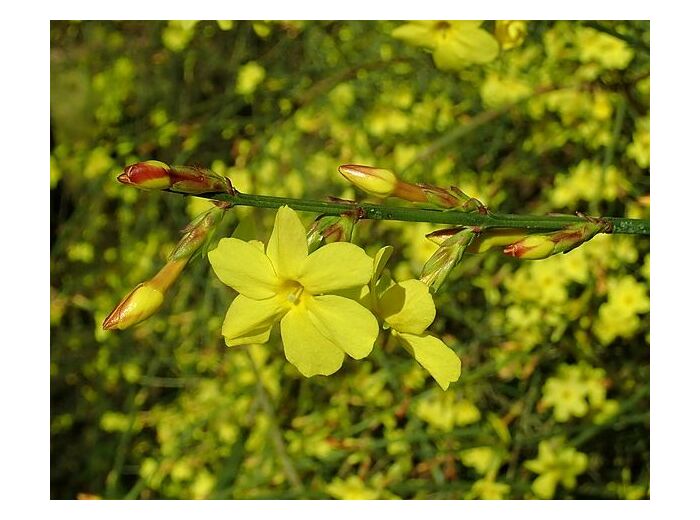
column 510, row 33
column 455, row 44
column 353, row 488
column 407, row 308
column 556, row 463
column 285, row 283
column 489, row 490
column 597, row 47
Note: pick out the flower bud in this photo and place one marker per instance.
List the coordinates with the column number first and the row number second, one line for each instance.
column 327, row 229
column 136, row 306
column 147, row 175
column 197, row 234
column 491, row 238
column 533, row 247
column 191, row 180
column 576, row 234
column 375, row 181
column 448, row 255
column 145, row 299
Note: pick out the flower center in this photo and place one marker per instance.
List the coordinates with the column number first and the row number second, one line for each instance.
column 292, row 291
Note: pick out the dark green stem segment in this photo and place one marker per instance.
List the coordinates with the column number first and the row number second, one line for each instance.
column 627, row 226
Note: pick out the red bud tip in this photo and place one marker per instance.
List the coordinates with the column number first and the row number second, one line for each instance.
column 148, row 175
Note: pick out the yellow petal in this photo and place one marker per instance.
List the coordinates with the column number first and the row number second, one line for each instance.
column 436, row 357
column 305, row 347
column 419, row 32
column 464, row 46
column 245, row 268
column 254, row 338
column 345, row 322
column 380, row 260
column 407, row 307
column 335, row 266
column 287, row 246
column 249, row 321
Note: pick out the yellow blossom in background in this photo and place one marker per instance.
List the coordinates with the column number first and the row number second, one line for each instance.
column 510, row 33
column 574, row 391
column 486, row 489
column 455, row 44
column 588, row 181
column 604, row 49
column 639, row 148
column 556, row 464
column 284, row 283
column 249, row 77
column 178, row 34
column 353, row 488
column 497, row 91
column 483, row 459
column 618, row 316
column 446, row 410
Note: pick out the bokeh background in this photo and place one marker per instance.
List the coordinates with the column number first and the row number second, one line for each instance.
column 553, row 401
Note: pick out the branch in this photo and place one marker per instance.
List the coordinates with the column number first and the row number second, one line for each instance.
column 620, row 225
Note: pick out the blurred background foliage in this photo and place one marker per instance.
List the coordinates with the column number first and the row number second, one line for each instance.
column 554, row 395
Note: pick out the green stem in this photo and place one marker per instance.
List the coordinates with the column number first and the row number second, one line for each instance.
column 435, row 216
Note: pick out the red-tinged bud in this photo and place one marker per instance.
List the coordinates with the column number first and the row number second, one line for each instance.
column 147, row 175
column 191, row 180
column 375, row 181
column 195, row 181
column 327, row 229
column 533, row 247
column 492, row 238
column 144, row 300
column 576, row 234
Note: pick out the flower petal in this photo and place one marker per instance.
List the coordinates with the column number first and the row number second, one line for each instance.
column 380, row 260
column 306, row 348
column 407, row 307
column 419, row 32
column 335, row 266
column 345, row 322
column 249, row 321
column 436, row 357
column 287, row 247
column 465, row 45
column 245, row 268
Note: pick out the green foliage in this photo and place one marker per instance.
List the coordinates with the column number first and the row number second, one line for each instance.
column 553, row 396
